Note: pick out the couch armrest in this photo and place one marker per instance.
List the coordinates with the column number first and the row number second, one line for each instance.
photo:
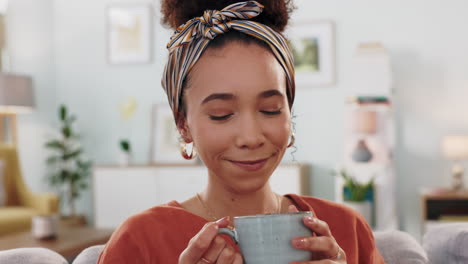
column 89, row 255
column 447, row 243
column 44, row 203
column 31, row 255
column 398, row 247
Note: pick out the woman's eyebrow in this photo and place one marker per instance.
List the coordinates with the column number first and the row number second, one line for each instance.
column 218, row 96
column 270, row 93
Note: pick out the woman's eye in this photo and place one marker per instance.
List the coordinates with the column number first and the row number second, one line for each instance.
column 219, row 118
column 271, row 112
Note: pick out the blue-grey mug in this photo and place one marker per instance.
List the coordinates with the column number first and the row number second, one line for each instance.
column 266, row 239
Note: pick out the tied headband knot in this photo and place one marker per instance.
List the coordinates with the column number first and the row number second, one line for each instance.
column 213, row 23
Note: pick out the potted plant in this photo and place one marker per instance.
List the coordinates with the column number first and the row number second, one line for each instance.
column 69, row 171
column 127, row 111
column 125, row 152
column 357, row 195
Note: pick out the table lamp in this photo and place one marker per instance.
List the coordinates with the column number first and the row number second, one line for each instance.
column 16, row 97
column 365, row 124
column 456, row 148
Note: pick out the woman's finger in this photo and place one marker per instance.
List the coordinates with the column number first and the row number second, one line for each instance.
column 212, row 254
column 339, row 258
column 327, row 246
column 227, row 256
column 292, row 209
column 315, row 262
column 200, row 243
column 319, row 227
column 238, row 259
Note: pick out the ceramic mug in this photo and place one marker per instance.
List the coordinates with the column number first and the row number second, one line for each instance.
column 266, row 239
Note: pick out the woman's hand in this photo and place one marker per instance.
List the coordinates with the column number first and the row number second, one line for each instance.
column 324, row 246
column 207, row 247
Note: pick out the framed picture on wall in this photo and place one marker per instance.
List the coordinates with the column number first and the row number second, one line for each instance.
column 165, row 137
column 129, row 33
column 313, row 46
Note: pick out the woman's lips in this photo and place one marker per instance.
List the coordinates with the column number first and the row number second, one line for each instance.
column 250, row 165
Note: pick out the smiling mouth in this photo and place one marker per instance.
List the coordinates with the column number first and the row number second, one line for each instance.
column 250, row 165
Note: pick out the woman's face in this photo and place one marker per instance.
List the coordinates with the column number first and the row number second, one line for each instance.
column 238, row 115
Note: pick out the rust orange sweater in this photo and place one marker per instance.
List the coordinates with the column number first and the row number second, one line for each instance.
column 160, row 234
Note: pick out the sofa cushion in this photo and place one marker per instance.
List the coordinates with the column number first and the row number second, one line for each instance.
column 31, row 256
column 15, row 218
column 447, row 243
column 398, row 247
column 89, row 255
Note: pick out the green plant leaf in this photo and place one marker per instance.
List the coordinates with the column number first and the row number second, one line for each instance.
column 63, row 112
column 66, row 131
column 357, row 190
column 54, row 179
column 125, row 145
column 52, row 159
column 72, row 155
column 55, row 144
column 63, row 176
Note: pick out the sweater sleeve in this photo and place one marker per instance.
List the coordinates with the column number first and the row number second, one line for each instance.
column 368, row 253
column 123, row 247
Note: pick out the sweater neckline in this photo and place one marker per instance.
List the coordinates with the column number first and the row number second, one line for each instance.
column 296, row 199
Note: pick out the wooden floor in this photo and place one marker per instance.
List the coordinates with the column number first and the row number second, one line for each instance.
column 70, row 241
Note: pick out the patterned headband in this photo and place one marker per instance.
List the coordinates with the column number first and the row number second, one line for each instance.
column 191, row 39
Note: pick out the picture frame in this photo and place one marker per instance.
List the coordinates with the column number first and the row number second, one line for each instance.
column 129, row 33
column 313, row 46
column 165, row 138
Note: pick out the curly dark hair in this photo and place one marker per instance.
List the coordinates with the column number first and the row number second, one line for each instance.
column 275, row 14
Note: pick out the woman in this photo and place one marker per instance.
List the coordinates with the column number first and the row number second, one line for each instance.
column 230, row 83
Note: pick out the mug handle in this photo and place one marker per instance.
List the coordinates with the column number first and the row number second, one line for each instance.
column 232, row 233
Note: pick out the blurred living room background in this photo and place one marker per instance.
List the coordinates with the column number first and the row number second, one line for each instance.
column 406, row 58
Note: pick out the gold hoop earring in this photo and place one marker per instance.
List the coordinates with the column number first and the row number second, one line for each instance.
column 292, row 140
column 183, row 151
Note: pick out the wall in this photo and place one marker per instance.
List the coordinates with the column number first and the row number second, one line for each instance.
column 427, row 45
column 30, row 44
column 426, row 42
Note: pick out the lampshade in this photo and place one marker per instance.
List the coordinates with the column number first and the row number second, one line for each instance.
column 455, row 147
column 16, row 94
column 365, row 122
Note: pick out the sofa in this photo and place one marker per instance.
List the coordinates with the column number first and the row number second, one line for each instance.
column 446, row 244
column 20, row 204
column 396, row 247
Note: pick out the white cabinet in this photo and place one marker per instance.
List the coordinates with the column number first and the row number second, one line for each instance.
column 120, row 192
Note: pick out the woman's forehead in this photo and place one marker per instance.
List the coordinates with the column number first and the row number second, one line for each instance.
column 237, row 68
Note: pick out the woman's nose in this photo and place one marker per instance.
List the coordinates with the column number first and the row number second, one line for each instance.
column 250, row 133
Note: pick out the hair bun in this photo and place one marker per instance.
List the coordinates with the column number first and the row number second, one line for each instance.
column 275, row 14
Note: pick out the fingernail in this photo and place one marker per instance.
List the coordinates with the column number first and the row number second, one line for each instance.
column 310, row 219
column 222, row 220
column 298, row 242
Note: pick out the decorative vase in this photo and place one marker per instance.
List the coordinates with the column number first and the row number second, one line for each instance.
column 125, row 158
column 44, row 226
column 364, row 208
column 362, row 152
